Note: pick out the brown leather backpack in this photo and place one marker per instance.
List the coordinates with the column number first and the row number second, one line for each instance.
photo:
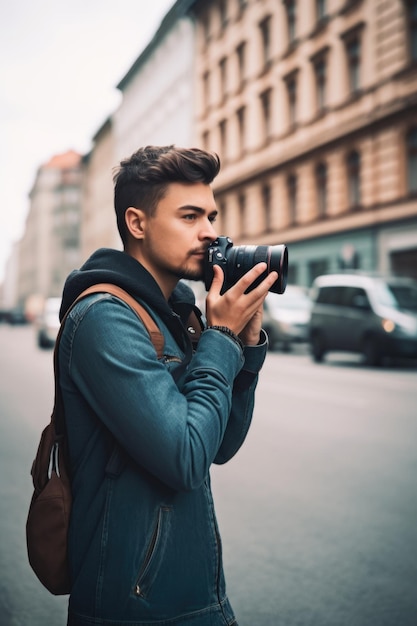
column 49, row 511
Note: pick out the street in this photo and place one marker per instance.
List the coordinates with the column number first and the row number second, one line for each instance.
column 317, row 511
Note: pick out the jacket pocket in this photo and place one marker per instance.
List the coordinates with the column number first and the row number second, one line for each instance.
column 154, row 553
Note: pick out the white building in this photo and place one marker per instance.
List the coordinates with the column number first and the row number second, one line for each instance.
column 158, row 104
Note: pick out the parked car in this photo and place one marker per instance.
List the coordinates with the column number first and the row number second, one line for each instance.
column 369, row 315
column 16, row 316
column 286, row 317
column 48, row 323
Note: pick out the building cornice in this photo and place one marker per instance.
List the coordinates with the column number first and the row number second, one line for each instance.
column 263, row 162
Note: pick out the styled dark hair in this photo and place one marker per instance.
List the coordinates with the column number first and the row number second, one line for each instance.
column 142, row 180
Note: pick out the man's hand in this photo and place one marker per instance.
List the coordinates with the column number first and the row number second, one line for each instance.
column 239, row 311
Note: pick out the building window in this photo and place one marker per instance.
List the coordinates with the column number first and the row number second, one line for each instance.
column 291, row 83
column 206, row 27
column 412, row 28
column 241, row 125
column 292, row 198
column 242, row 213
column 290, row 6
column 206, row 140
column 266, row 102
column 354, row 179
column 321, row 186
column 242, row 4
column 266, row 203
column 321, row 10
column 223, row 13
column 241, row 63
column 223, row 138
column 411, row 141
column 353, row 53
column 265, row 28
column 320, row 73
column 223, row 77
column 206, row 89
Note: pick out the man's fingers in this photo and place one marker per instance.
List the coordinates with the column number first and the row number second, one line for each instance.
column 218, row 278
column 247, row 279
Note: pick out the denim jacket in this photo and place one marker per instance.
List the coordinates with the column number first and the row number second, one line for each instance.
column 144, row 544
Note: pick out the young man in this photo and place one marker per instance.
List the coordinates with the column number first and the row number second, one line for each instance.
column 144, row 545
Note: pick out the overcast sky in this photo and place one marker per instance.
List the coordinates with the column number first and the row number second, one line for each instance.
column 59, row 65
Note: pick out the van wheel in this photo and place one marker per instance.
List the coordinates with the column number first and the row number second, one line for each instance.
column 371, row 352
column 317, row 347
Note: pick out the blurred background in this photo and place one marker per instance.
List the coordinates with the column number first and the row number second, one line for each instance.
column 312, row 107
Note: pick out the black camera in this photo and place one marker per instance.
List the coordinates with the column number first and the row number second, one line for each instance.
column 235, row 261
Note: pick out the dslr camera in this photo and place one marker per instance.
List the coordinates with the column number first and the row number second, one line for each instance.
column 235, row 261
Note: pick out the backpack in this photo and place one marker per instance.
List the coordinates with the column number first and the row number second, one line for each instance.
column 50, row 507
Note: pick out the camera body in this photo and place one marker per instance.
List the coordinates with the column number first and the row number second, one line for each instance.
column 235, row 261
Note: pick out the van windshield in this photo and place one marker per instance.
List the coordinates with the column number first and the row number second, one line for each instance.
column 397, row 295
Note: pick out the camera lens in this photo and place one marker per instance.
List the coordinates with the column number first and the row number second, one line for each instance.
column 242, row 258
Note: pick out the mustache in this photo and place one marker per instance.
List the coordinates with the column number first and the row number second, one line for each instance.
column 198, row 251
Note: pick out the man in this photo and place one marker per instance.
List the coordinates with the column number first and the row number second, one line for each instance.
column 144, row 545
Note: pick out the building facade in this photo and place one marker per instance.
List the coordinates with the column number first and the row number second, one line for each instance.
column 98, row 223
column 157, row 105
column 50, row 246
column 312, row 106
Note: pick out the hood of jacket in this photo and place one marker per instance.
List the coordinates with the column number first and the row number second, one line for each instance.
column 116, row 267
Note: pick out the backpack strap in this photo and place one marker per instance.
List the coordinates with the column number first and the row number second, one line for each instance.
column 195, row 326
column 155, row 334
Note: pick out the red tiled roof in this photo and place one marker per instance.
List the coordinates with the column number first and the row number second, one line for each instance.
column 64, row 161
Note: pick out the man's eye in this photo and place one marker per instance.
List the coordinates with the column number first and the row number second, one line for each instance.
column 190, row 216
column 212, row 218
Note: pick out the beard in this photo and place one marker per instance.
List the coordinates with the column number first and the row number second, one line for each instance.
column 190, row 273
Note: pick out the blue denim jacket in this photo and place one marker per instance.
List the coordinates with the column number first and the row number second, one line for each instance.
column 144, row 544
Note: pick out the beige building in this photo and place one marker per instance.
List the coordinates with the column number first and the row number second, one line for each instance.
column 312, row 106
column 49, row 248
column 98, row 221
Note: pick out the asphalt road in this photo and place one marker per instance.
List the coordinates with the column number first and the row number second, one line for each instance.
column 318, row 510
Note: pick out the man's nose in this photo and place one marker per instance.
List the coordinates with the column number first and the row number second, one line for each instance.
column 208, row 232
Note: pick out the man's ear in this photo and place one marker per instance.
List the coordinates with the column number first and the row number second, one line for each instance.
column 135, row 222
